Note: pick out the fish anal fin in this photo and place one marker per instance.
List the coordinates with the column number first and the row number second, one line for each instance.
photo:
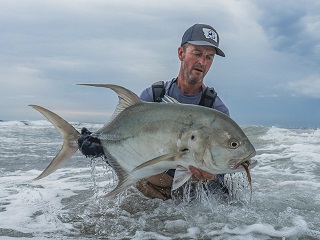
column 181, row 176
column 118, row 189
column 124, row 179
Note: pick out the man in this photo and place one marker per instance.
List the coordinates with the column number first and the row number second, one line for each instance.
column 200, row 44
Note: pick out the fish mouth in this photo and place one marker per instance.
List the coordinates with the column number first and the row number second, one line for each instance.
column 249, row 163
column 246, row 162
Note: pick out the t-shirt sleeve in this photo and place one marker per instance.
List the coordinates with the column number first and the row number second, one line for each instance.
column 219, row 105
column 147, row 95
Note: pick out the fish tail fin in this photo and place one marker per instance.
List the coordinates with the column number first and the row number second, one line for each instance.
column 70, row 140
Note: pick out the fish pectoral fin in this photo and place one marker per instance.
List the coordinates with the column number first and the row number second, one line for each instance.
column 181, row 176
column 166, row 157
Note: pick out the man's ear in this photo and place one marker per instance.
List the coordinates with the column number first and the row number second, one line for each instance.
column 181, row 53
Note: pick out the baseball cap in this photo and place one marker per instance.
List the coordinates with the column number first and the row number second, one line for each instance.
column 202, row 34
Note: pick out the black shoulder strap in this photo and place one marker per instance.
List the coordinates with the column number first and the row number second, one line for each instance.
column 208, row 97
column 158, row 91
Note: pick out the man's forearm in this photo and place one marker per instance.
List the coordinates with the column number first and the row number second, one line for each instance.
column 161, row 180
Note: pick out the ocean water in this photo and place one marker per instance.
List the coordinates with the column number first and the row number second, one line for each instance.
column 285, row 200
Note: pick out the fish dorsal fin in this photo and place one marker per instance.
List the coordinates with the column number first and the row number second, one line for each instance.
column 126, row 97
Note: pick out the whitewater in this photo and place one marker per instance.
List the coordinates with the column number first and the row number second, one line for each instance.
column 285, row 201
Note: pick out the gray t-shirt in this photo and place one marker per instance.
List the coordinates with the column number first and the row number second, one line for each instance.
column 173, row 90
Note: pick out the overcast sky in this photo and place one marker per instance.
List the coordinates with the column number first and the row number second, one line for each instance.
column 270, row 75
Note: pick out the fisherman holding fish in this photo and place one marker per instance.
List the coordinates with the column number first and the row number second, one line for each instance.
column 200, row 44
column 161, row 146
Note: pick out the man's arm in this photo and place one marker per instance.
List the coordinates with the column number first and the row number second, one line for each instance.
column 159, row 185
column 165, row 180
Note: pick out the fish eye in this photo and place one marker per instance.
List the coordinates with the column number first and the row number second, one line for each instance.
column 193, row 137
column 233, row 143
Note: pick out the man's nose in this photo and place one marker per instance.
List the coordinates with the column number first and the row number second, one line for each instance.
column 202, row 60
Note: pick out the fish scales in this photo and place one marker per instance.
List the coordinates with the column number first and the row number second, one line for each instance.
column 154, row 129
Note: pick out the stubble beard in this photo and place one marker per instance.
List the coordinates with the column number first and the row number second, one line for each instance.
column 189, row 76
column 193, row 79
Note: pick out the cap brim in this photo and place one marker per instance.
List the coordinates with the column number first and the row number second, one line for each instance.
column 205, row 43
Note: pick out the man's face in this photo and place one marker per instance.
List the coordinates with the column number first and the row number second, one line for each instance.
column 195, row 61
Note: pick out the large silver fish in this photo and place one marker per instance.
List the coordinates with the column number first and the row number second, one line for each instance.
column 143, row 139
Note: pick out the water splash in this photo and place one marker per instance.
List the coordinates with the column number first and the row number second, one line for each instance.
column 93, row 165
column 106, row 177
column 238, row 185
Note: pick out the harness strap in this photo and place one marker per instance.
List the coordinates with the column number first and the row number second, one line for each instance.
column 208, row 97
column 158, row 91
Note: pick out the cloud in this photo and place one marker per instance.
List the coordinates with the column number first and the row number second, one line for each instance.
column 309, row 86
column 20, row 80
column 49, row 46
column 292, row 26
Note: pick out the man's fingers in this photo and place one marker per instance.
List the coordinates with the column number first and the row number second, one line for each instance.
column 207, row 175
column 200, row 174
column 196, row 173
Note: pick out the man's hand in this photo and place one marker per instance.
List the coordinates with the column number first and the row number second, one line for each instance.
column 88, row 145
column 199, row 175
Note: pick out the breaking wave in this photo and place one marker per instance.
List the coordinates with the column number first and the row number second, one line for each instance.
column 285, row 200
column 45, row 123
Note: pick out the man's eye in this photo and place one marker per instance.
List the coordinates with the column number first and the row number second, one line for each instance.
column 210, row 58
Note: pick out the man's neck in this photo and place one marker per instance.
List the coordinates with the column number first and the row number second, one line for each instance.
column 188, row 88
